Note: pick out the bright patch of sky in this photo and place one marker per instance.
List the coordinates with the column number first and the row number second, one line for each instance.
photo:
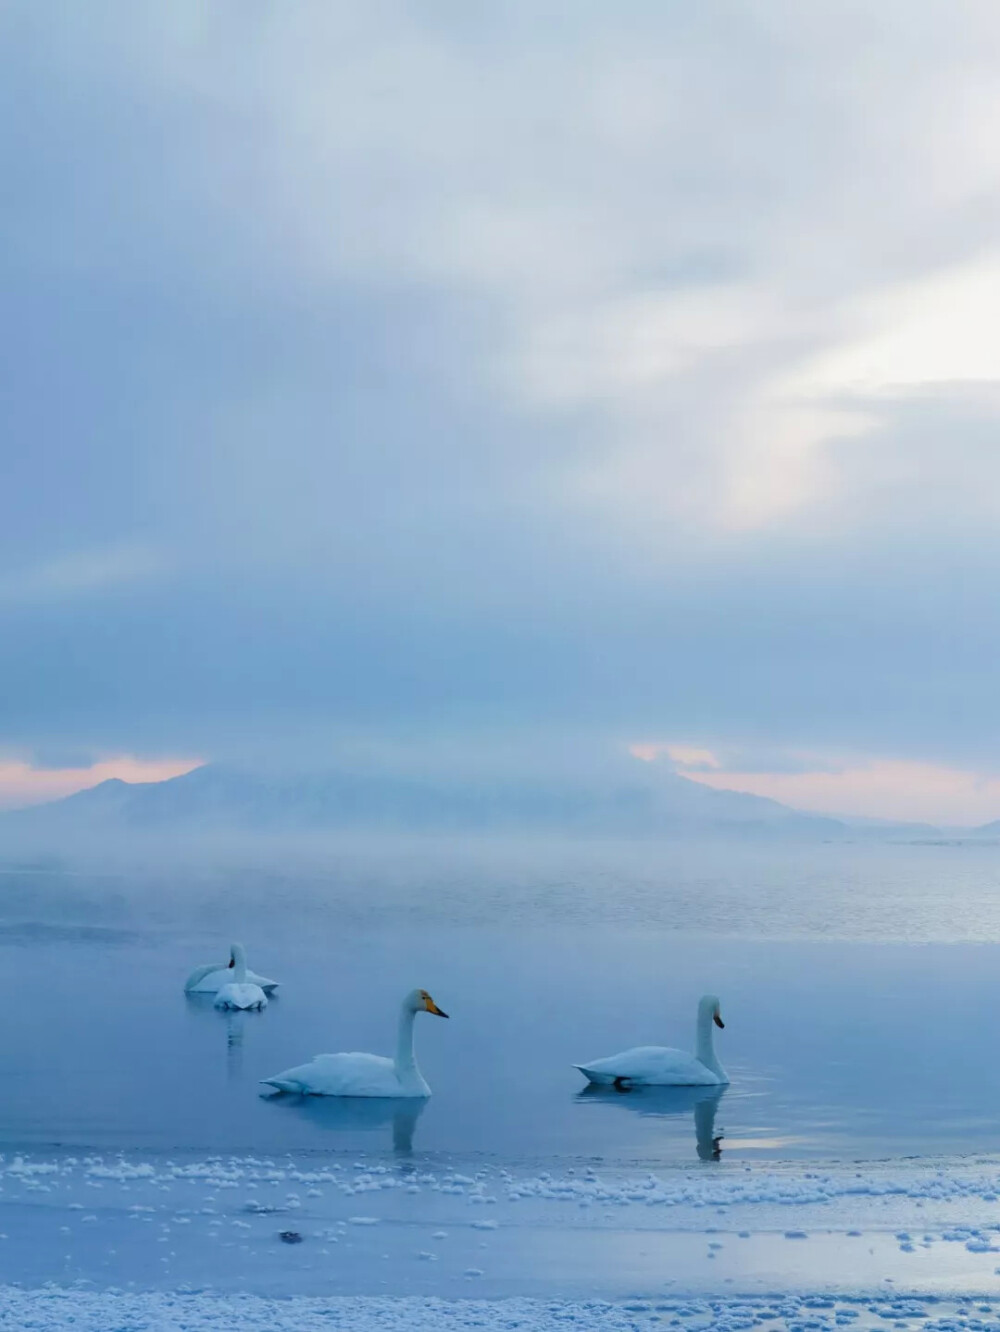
column 23, row 784
column 855, row 786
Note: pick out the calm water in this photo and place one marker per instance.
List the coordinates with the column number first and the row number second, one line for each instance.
column 860, row 988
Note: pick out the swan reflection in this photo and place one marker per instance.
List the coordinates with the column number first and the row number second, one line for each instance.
column 359, row 1114
column 234, row 1021
column 235, row 1032
column 666, row 1103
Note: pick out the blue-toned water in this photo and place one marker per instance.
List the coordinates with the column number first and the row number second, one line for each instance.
column 855, row 1156
column 860, row 988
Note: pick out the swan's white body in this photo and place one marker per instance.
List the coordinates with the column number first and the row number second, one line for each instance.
column 661, row 1066
column 210, row 978
column 244, row 997
column 365, row 1074
column 240, row 992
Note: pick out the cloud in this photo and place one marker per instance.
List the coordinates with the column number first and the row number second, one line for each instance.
column 940, row 329
column 689, row 757
column 78, row 574
column 476, row 374
column 582, row 193
column 601, row 240
column 884, row 788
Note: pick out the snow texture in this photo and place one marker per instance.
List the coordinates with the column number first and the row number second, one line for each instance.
column 79, row 1310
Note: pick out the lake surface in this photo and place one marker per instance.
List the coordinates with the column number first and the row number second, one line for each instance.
column 860, row 988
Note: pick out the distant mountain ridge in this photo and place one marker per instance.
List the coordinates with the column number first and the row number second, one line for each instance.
column 215, row 798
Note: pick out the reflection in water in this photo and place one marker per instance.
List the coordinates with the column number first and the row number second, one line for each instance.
column 709, row 1142
column 235, row 1030
column 234, row 1021
column 346, row 1114
column 667, row 1102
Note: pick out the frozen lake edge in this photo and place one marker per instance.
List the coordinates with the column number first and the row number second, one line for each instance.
column 365, row 1230
column 54, row 1310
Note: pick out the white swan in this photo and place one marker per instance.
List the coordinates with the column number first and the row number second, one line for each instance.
column 365, row 1074
column 660, row 1066
column 240, row 992
column 211, row 977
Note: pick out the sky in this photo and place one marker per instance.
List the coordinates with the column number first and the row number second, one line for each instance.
column 439, row 378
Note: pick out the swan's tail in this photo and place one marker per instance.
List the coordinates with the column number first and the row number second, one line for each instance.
column 281, row 1084
column 600, row 1079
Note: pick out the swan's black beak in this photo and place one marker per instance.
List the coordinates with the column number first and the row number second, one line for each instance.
column 231, row 963
column 717, row 1020
column 438, row 1012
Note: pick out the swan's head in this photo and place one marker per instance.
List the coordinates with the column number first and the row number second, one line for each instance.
column 709, row 1008
column 419, row 1001
column 237, row 953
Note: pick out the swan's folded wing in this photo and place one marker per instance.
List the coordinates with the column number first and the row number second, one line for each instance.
column 650, row 1065
column 628, row 1064
column 291, row 1079
column 205, row 979
column 347, row 1074
column 677, row 1068
column 210, row 978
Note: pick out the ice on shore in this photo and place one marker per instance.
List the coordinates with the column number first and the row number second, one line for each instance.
column 80, row 1310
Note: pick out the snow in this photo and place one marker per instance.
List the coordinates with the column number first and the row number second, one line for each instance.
column 79, row 1310
column 303, row 1184
column 416, row 1231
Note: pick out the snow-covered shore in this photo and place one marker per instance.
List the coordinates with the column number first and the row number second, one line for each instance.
column 75, row 1310
column 304, row 1227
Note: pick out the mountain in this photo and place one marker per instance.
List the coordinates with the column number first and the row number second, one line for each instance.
column 991, row 829
column 215, row 799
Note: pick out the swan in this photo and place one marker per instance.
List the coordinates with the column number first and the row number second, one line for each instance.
column 240, row 992
column 365, row 1074
column 211, row 977
column 660, row 1066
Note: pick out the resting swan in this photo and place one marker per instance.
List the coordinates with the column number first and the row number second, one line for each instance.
column 365, row 1074
column 660, row 1066
column 211, row 977
column 240, row 993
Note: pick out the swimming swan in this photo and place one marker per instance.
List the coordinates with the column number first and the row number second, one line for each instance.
column 240, row 992
column 660, row 1066
column 210, row 978
column 365, row 1074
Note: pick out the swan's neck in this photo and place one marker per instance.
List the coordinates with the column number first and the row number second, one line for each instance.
column 239, row 966
column 705, row 1042
column 406, row 1061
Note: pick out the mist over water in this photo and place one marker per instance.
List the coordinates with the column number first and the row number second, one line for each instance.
column 907, row 892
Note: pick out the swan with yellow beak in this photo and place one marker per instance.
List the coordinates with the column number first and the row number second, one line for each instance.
column 365, row 1074
column 662, row 1066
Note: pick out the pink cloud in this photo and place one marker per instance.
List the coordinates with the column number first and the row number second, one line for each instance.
column 875, row 788
column 868, row 787
column 686, row 756
column 22, row 785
